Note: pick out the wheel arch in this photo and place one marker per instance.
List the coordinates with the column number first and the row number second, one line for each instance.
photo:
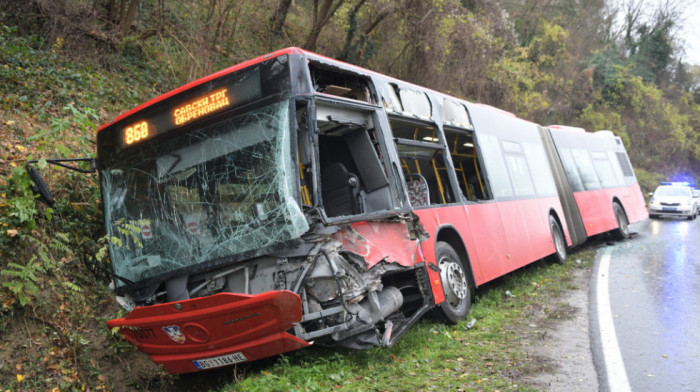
column 449, row 234
column 564, row 232
column 617, row 200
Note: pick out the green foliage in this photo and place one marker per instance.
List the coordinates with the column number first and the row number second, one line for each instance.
column 22, row 202
column 548, row 45
column 648, row 181
column 595, row 118
column 45, row 81
column 24, row 280
column 523, row 82
column 652, row 50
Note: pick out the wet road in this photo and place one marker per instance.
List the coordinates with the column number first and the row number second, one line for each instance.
column 654, row 295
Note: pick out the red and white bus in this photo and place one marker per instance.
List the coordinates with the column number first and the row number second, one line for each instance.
column 294, row 199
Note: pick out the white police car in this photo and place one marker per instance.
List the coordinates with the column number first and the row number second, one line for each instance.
column 674, row 199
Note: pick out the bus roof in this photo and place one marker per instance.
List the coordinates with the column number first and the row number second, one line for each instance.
column 309, row 55
column 566, row 128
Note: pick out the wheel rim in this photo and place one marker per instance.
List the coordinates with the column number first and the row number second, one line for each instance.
column 454, row 280
column 558, row 241
column 621, row 221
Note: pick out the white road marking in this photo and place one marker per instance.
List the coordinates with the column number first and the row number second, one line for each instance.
column 614, row 366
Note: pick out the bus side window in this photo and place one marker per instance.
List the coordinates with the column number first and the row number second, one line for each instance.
column 422, row 154
column 466, row 164
column 499, row 178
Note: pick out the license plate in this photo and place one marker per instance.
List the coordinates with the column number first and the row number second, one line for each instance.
column 669, row 209
column 223, row 360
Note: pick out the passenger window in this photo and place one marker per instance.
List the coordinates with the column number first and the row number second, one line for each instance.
column 342, row 84
column 463, row 150
column 539, row 166
column 604, row 169
column 496, row 166
column 423, row 162
column 612, row 158
column 518, row 168
column 567, row 160
column 585, row 169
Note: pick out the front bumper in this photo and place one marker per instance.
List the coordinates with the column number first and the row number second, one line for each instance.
column 672, row 211
column 218, row 330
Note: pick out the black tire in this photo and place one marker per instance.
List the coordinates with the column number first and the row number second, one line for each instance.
column 559, row 255
column 622, row 231
column 455, row 283
column 652, row 216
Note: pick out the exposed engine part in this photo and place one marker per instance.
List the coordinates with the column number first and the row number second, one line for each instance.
column 377, row 307
column 331, row 276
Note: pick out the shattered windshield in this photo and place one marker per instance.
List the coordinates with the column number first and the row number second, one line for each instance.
column 219, row 191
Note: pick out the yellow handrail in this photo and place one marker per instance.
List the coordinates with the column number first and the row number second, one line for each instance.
column 305, row 197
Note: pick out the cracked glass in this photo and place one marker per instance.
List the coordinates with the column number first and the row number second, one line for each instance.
column 222, row 190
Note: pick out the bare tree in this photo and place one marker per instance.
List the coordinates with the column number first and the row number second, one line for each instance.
column 359, row 47
column 279, row 16
column 321, row 17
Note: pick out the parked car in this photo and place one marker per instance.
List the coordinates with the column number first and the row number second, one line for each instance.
column 674, row 199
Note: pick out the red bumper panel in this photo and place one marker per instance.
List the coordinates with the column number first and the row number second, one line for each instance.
column 218, row 330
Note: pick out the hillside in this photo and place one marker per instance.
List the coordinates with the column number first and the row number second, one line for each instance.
column 68, row 66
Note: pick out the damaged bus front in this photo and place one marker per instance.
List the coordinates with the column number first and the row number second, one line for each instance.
column 254, row 212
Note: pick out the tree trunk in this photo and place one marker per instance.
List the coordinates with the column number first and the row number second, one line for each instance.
column 280, row 15
column 320, row 19
column 128, row 18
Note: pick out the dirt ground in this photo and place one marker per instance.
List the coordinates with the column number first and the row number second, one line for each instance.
column 561, row 342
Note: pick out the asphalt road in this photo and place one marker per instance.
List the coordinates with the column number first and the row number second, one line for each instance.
column 650, row 338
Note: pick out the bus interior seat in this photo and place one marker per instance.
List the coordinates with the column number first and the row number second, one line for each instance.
column 340, row 191
column 418, row 191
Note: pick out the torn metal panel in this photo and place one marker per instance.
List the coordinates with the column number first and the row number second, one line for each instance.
column 375, row 241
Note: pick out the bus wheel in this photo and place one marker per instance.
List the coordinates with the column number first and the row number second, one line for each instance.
column 454, row 283
column 559, row 255
column 622, row 230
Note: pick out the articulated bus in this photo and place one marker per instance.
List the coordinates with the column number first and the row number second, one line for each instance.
column 294, row 199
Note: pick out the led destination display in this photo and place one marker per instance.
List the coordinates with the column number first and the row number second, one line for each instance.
column 193, row 107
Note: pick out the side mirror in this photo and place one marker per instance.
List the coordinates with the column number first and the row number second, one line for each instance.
column 650, row 194
column 39, row 186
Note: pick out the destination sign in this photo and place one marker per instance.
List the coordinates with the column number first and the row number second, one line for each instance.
column 201, row 106
column 191, row 106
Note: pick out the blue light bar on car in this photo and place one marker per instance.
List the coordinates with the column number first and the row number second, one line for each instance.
column 683, row 183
